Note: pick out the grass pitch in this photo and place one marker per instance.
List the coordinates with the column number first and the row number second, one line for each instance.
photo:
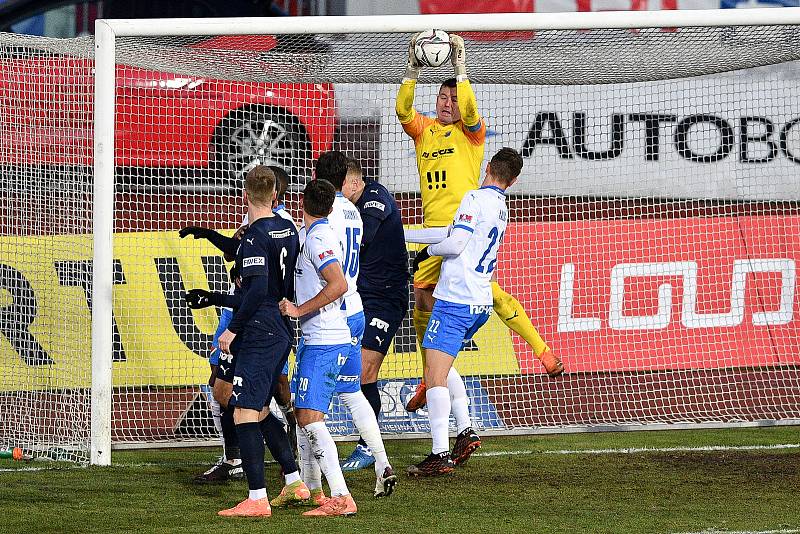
column 637, row 482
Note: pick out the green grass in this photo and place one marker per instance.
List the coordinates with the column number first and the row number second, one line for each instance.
column 517, row 484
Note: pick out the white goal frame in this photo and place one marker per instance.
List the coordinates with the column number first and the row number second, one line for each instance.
column 106, row 32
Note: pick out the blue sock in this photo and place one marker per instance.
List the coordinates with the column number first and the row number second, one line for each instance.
column 278, row 443
column 229, row 435
column 251, row 444
column 373, row 396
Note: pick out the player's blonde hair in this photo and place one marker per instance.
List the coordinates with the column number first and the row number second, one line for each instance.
column 260, row 185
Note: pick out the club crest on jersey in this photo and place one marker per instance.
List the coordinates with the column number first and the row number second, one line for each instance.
column 326, row 254
column 465, row 218
column 256, row 260
column 375, row 204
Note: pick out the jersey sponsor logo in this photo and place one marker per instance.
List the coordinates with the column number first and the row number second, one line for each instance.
column 479, row 310
column 326, row 254
column 465, row 218
column 280, row 234
column 379, row 324
column 439, row 153
column 436, row 179
column 255, row 260
column 375, row 204
column 250, row 240
column 347, row 378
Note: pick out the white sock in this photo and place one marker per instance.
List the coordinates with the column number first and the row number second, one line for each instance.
column 312, row 475
column 439, row 413
column 217, row 417
column 458, row 400
column 366, row 424
column 258, row 494
column 292, row 477
column 325, row 452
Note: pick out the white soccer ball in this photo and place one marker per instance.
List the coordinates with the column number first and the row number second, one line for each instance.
column 432, row 48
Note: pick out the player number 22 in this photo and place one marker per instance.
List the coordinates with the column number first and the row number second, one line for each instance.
column 493, row 234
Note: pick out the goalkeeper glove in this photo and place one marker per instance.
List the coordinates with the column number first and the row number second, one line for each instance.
column 458, row 56
column 200, row 298
column 421, row 256
column 412, row 67
column 196, row 231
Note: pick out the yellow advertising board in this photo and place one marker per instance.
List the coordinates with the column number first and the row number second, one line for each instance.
column 45, row 317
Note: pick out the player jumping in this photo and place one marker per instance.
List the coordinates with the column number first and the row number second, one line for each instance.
column 463, row 303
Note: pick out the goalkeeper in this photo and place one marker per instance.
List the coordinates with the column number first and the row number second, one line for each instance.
column 450, row 152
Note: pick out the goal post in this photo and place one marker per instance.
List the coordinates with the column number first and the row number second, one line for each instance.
column 652, row 238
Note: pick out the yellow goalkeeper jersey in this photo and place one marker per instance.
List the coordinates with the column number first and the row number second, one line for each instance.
column 448, row 157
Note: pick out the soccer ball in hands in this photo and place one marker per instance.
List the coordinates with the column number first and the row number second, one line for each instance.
column 432, row 48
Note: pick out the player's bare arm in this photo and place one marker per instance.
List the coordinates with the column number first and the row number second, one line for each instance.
column 336, row 287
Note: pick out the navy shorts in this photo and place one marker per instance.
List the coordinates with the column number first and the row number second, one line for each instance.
column 259, row 360
column 226, row 363
column 383, row 315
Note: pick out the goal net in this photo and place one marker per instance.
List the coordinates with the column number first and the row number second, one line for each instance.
column 652, row 240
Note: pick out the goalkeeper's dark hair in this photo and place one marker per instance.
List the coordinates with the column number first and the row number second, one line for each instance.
column 260, row 185
column 354, row 167
column 506, row 165
column 282, row 178
column 452, row 83
column 332, row 166
column 318, row 198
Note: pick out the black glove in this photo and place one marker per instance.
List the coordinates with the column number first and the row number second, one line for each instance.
column 421, row 256
column 196, row 231
column 234, row 274
column 198, row 299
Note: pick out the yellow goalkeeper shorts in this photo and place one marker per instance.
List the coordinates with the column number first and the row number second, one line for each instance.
column 428, row 274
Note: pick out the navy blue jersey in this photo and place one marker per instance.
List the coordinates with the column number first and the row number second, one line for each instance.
column 384, row 258
column 266, row 259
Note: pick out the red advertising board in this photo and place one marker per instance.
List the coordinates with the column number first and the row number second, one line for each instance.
column 659, row 294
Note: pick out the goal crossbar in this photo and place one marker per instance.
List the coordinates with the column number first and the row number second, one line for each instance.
column 456, row 22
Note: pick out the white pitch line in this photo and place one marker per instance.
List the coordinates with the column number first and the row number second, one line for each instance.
column 709, row 448
column 780, row 531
